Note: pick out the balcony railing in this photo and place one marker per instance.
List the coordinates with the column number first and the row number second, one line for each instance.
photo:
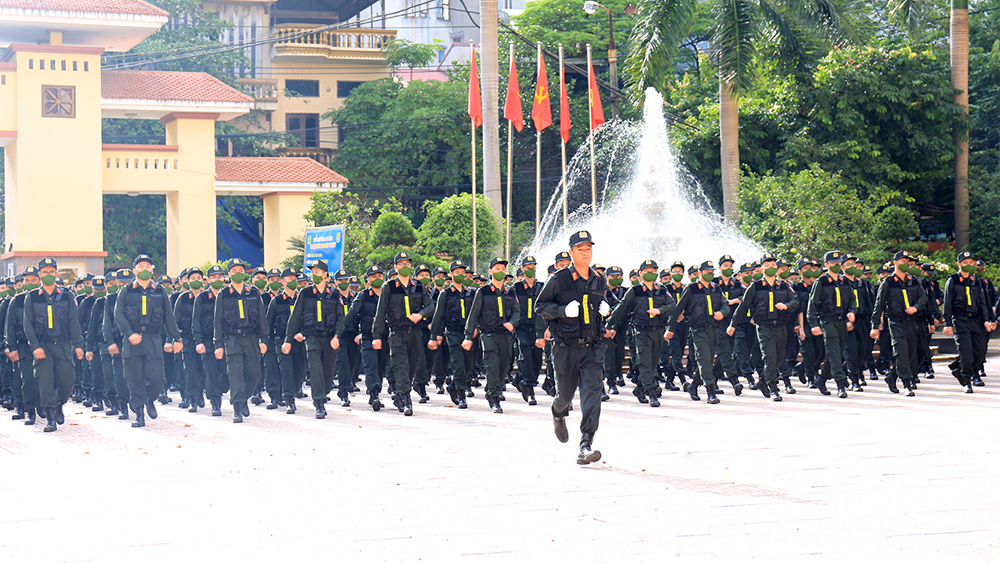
column 262, row 89
column 321, row 156
column 348, row 43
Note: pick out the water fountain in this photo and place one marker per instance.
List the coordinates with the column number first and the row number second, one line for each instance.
column 651, row 207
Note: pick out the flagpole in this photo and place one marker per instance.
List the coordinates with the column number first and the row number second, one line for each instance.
column 593, row 170
column 538, row 167
column 565, row 197
column 475, row 253
column 510, row 162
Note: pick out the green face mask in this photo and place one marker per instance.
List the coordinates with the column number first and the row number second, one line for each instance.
column 144, row 274
column 634, row 282
column 48, row 279
column 758, row 276
column 114, row 288
column 968, row 268
column 377, row 283
column 835, row 268
column 529, row 273
column 316, row 279
column 238, row 277
column 405, row 271
column 727, row 272
column 499, row 276
column 677, row 277
column 459, row 279
column 426, row 281
column 784, row 275
column 747, row 279
column 186, row 285
column 439, row 282
column 168, row 290
column 217, row 284
column 260, row 284
column 650, row 276
column 343, row 285
column 26, row 287
column 293, row 285
column 615, row 282
column 196, row 284
column 100, row 293
column 274, row 286
column 708, row 277
column 769, row 272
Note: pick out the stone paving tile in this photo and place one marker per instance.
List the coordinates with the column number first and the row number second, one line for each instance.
column 876, row 477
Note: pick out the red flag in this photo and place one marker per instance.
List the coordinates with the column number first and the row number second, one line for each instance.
column 541, row 110
column 564, row 120
column 512, row 107
column 475, row 100
column 596, row 111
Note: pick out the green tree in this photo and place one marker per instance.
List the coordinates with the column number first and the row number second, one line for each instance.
column 563, row 21
column 403, row 52
column 132, row 226
column 393, row 229
column 448, row 229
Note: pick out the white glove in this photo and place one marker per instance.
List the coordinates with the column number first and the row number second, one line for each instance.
column 604, row 309
column 573, row 309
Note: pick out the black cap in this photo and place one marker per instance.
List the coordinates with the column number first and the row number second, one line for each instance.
column 401, row 256
column 374, row 269
column 124, row 275
column 677, row 264
column 551, row 269
column 833, row 256
column 259, row 270
column 615, row 271
column 726, row 258
column 928, row 267
column 98, row 282
column 422, row 268
column 164, row 279
column 216, row 269
column 901, row 255
column 664, row 273
column 793, row 272
column 781, row 262
column 632, row 273
column 768, row 257
column 850, row 257
column 965, row 255
column 88, row 277
column 142, row 258
column 456, row 265
column 707, row 265
column 321, row 264
column 692, row 269
column 599, row 267
column 528, row 261
column 438, row 270
column 79, row 281
column 580, row 237
column 30, row 271
column 195, row 270
column 496, row 261
column 354, row 280
column 47, row 262
column 59, row 280
column 804, row 262
column 288, row 272
column 648, row 264
column 237, row 262
column 274, row 273
column 341, row 275
column 563, row 256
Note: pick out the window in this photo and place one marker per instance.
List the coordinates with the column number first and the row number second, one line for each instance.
column 304, row 88
column 59, row 101
column 443, row 9
column 416, row 8
column 304, row 126
column 345, row 87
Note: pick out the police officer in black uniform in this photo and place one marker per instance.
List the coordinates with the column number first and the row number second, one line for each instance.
column 362, row 312
column 645, row 310
column 24, row 386
column 704, row 306
column 772, row 303
column 192, row 368
column 530, row 332
column 448, row 327
column 614, row 358
column 859, row 342
column 732, row 292
column 94, row 307
column 572, row 301
column 831, row 312
column 116, row 342
column 142, row 313
column 203, row 329
column 52, row 329
column 240, row 334
column 968, row 317
column 278, row 312
column 494, row 315
column 902, row 299
column 402, row 304
column 318, row 320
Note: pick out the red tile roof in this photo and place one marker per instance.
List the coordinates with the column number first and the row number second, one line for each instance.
column 167, row 86
column 130, row 7
column 274, row 169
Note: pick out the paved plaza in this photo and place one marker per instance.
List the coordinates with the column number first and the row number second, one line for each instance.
column 875, row 477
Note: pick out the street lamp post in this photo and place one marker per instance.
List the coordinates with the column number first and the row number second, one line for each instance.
column 591, row 7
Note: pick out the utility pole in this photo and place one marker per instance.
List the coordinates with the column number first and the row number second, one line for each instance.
column 488, row 16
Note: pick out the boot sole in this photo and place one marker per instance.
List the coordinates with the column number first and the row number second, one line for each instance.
column 594, row 457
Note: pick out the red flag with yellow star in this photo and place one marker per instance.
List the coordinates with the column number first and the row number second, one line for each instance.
column 596, row 110
column 541, row 110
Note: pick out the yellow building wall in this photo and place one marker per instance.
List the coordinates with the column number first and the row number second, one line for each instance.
column 328, row 73
column 283, row 220
column 54, row 172
column 8, row 100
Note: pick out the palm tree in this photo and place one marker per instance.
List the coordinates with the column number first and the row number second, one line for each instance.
column 739, row 28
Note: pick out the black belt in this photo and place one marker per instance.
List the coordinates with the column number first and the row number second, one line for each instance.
column 240, row 332
column 768, row 323
column 576, row 341
column 831, row 318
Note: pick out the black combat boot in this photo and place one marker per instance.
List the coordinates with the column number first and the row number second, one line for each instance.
column 98, row 403
column 408, row 405
column 257, row 399
column 788, row 386
column 375, row 403
column 421, row 390
column 183, row 404
column 654, row 397
column 30, row 414
column 238, row 414
column 216, row 406
column 290, row 403
column 587, row 455
column 531, row 395
column 122, row 409
column 890, row 381
column 151, row 409
column 140, row 418
column 712, row 399
column 737, row 386
column 692, row 390
column 50, row 424
column 273, row 405
column 842, row 389
column 19, row 412
column 454, row 392
column 320, row 405
column 775, row 396
column 640, row 394
column 562, row 433
column 908, row 385
column 88, row 399
column 821, row 384
column 494, row 402
column 60, row 417
column 112, row 407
